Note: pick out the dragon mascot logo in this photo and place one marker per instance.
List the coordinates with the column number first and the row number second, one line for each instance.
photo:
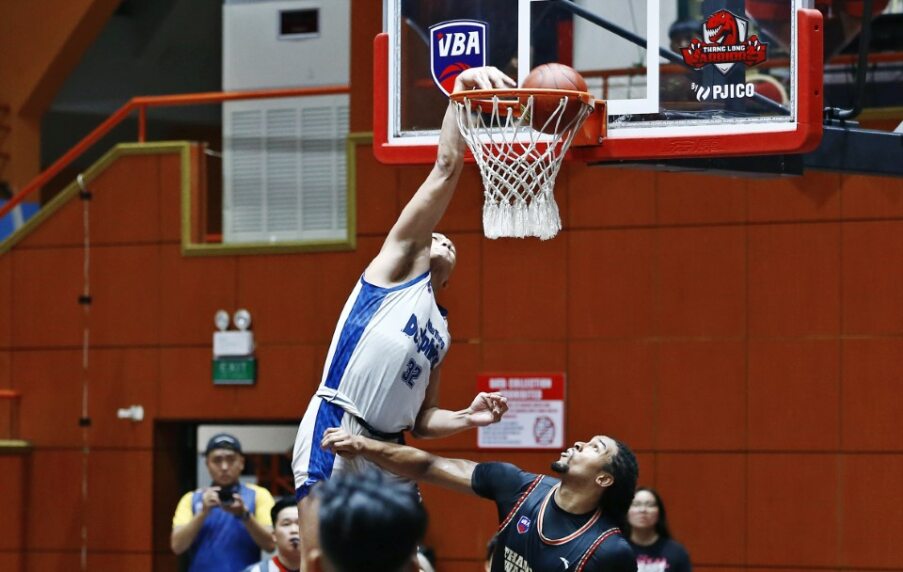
column 724, row 44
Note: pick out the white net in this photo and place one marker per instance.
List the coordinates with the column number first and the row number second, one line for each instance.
column 518, row 160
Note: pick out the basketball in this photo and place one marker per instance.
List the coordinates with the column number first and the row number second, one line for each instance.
column 554, row 76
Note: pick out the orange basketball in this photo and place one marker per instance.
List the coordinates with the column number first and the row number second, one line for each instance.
column 554, row 76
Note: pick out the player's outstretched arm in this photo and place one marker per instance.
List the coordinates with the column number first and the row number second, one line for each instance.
column 433, row 422
column 403, row 460
column 406, row 250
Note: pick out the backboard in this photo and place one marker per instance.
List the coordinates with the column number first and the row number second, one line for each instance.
column 681, row 78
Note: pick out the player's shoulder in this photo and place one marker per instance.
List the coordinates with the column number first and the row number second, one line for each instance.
column 495, row 480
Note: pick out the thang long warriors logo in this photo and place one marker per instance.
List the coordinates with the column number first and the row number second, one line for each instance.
column 724, row 44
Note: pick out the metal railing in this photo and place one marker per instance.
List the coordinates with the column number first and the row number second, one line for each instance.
column 141, row 105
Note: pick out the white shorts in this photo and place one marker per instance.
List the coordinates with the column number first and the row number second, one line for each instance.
column 310, row 463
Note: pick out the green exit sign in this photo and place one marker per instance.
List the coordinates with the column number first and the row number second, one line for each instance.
column 234, row 370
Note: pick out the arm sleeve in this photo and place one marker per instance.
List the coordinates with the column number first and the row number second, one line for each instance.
column 618, row 558
column 501, row 482
column 184, row 513
column 265, row 503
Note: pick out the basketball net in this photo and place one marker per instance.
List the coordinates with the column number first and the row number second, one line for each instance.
column 519, row 161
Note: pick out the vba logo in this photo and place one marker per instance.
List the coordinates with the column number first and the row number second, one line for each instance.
column 454, row 47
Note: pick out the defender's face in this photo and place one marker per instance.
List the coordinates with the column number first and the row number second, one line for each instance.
column 443, row 251
column 587, row 460
column 643, row 513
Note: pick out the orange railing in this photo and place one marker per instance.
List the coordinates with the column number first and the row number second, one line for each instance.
column 141, row 104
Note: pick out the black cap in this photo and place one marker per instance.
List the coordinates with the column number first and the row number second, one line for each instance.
column 223, row 441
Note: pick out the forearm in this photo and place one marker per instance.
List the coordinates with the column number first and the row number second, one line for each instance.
column 450, row 156
column 183, row 536
column 402, row 460
column 434, row 423
column 260, row 534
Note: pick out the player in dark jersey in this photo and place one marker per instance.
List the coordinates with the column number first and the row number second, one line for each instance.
column 570, row 523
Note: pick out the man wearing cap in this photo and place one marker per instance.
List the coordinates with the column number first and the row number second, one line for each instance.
column 227, row 524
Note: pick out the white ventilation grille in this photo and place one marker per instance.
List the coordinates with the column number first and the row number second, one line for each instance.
column 284, row 172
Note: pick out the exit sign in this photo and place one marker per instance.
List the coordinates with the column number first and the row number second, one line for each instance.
column 234, row 370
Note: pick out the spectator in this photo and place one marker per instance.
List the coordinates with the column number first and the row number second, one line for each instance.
column 650, row 537
column 286, row 537
column 225, row 525
column 361, row 523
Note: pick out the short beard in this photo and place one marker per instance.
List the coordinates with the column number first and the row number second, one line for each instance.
column 560, row 467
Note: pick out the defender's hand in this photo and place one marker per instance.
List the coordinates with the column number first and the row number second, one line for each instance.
column 340, row 442
column 483, row 78
column 487, row 408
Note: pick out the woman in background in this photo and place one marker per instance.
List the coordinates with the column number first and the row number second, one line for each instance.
column 648, row 534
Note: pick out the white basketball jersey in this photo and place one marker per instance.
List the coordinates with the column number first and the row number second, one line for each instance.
column 386, row 344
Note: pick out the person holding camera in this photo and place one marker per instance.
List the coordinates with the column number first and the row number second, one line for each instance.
column 227, row 524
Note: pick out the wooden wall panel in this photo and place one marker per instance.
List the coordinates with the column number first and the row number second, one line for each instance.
column 611, row 390
column 50, row 382
column 871, row 197
column 14, row 484
column 608, row 196
column 170, row 193
column 872, row 408
column 287, row 375
column 872, row 272
column 702, row 282
column 191, row 290
column 525, row 289
column 6, row 300
column 46, row 287
column 68, row 228
column 376, row 197
column 813, row 197
column 612, row 283
column 122, row 210
column 701, row 388
column 187, row 390
column 872, row 521
column 696, row 198
column 119, row 507
column 792, row 510
column 126, row 295
column 705, row 496
column 794, row 280
column 55, row 489
column 794, row 395
column 120, row 378
column 524, row 356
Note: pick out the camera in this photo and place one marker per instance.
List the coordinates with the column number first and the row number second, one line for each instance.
column 226, row 494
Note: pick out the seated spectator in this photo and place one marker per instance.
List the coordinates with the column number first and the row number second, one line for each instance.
column 287, row 540
column 650, row 538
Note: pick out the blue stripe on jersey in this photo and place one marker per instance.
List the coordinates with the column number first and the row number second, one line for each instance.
column 368, row 302
column 321, row 461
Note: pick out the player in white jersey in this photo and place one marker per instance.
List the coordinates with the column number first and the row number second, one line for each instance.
column 382, row 371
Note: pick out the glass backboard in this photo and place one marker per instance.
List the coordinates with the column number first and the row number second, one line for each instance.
column 681, row 78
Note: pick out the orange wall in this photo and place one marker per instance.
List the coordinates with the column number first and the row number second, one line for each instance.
column 40, row 43
column 743, row 335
